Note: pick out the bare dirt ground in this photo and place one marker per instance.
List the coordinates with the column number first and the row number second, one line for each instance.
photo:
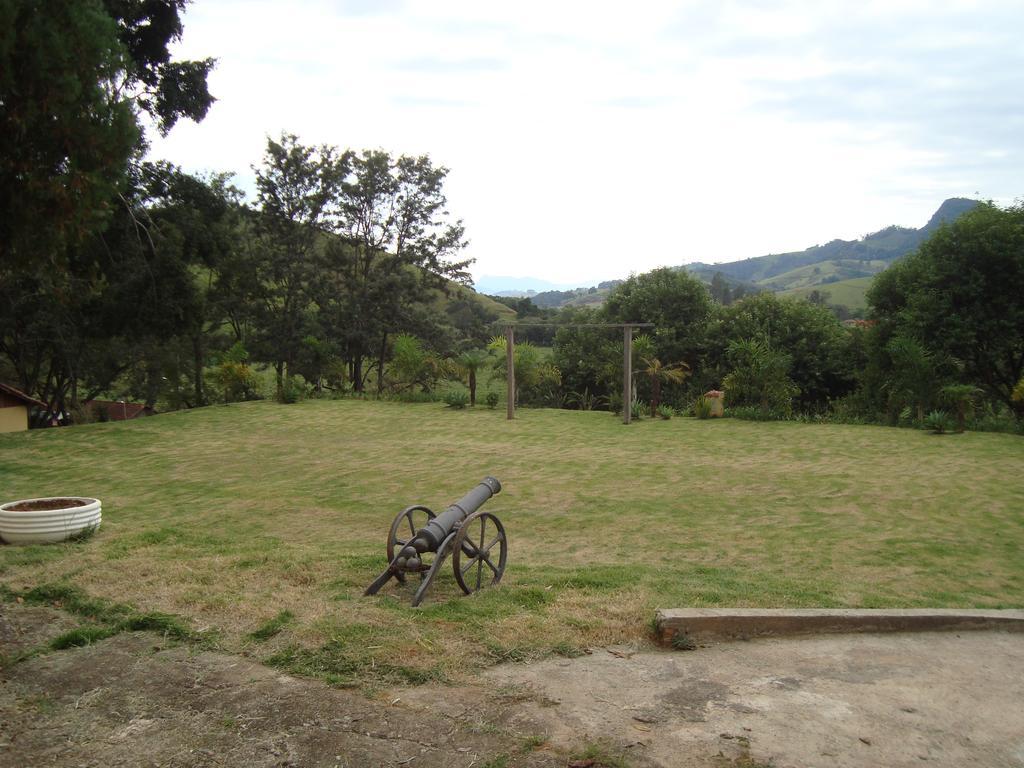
column 867, row 700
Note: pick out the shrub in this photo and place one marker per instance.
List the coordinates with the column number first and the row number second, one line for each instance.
column 754, row 413
column 456, row 399
column 638, row 408
column 939, row 422
column 702, row 407
column 492, row 400
column 665, row 412
column 291, row 391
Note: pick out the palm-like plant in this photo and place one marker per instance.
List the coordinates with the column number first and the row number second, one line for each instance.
column 657, row 372
column 961, row 397
column 470, row 362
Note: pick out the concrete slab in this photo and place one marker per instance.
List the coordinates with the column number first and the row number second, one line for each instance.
column 916, row 700
column 708, row 624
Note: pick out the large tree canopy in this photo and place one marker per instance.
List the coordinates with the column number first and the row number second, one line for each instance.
column 74, row 77
column 962, row 297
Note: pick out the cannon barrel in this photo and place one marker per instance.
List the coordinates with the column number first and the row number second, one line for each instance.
column 429, row 537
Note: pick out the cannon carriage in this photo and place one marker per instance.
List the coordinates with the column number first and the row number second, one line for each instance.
column 419, row 542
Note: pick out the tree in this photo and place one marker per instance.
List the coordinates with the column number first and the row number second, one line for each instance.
column 677, row 303
column 810, row 335
column 961, row 397
column 536, row 378
column 297, row 193
column 72, row 75
column 396, row 244
column 66, row 134
column 914, row 379
column 657, row 372
column 470, row 362
column 962, row 296
column 719, row 289
column 759, row 377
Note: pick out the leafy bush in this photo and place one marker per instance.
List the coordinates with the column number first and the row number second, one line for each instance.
column 291, row 390
column 939, row 422
column 702, row 407
column 234, row 378
column 456, row 399
column 665, row 412
column 755, row 413
column 638, row 408
column 759, row 376
column 492, row 400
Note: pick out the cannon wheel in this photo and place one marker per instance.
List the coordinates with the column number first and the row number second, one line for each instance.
column 473, row 552
column 411, row 519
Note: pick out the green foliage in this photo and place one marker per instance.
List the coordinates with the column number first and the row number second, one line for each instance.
column 585, row 400
column 538, row 380
column 291, row 390
column 657, row 372
column 491, row 399
column 1018, row 392
column 683, row 642
column 759, row 377
column 665, row 412
column 456, row 399
column 939, row 422
column 821, row 357
column 961, row 296
column 66, row 132
column 758, row 413
column 677, row 303
column 702, row 407
column 272, row 627
column 233, row 377
column 962, row 397
column 914, row 377
column 81, row 636
column 470, row 362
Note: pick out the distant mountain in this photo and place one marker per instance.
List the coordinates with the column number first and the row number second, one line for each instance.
column 840, row 270
column 518, row 287
column 867, row 256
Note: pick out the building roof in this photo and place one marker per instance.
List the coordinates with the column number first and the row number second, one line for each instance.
column 17, row 394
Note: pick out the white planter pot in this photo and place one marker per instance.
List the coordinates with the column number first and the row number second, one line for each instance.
column 42, row 526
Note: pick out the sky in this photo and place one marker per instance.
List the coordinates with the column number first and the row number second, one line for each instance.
column 589, row 140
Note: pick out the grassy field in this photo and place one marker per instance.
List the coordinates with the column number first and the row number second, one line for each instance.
column 848, row 293
column 259, row 525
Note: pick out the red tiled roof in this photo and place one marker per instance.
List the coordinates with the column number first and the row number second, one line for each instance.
column 7, row 389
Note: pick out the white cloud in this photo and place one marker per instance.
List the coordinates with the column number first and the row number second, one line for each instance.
column 585, row 140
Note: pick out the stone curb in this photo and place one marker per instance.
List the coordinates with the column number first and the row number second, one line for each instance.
column 692, row 625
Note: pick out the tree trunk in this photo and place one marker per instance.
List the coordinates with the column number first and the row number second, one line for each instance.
column 279, row 370
column 472, row 388
column 197, row 375
column 380, row 363
column 655, row 396
column 357, row 373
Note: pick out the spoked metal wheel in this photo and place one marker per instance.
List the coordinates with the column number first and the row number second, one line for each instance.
column 404, row 528
column 479, row 552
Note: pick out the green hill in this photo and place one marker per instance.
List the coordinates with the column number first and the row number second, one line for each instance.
column 885, row 245
column 845, row 293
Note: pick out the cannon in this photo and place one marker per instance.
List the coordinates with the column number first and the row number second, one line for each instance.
column 462, row 531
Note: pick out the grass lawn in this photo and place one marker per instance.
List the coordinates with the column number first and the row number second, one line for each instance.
column 261, row 524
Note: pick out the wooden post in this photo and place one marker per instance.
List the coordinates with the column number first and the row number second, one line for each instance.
column 510, row 368
column 627, row 374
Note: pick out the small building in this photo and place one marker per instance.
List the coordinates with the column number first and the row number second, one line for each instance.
column 116, row 410
column 14, row 408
